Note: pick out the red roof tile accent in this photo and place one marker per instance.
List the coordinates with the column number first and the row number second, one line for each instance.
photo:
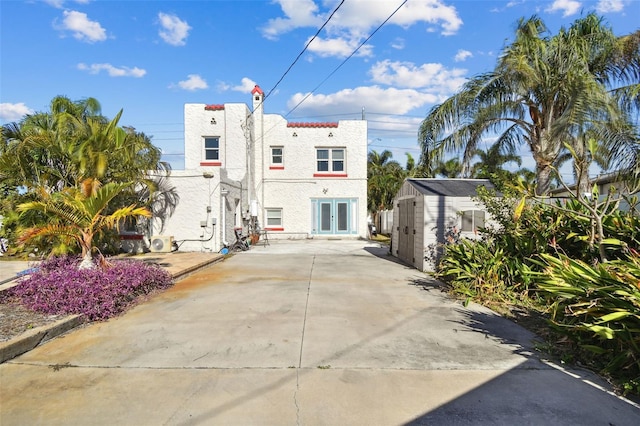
column 327, row 124
column 257, row 89
column 213, row 107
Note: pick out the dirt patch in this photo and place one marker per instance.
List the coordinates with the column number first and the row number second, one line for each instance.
column 15, row 319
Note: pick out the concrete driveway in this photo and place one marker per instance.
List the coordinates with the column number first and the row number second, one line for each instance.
column 302, row 333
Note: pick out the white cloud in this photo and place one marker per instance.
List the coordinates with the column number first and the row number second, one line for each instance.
column 298, row 13
column 462, row 55
column 433, row 12
column 174, row 30
column 113, row 71
column 568, row 7
column 14, row 112
column 434, row 78
column 398, row 43
column 82, row 27
column 55, row 3
column 609, row 6
column 356, row 19
column 339, row 47
column 59, row 4
column 192, row 83
column 374, row 98
column 246, row 86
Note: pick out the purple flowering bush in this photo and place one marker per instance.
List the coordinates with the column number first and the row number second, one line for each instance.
column 59, row 287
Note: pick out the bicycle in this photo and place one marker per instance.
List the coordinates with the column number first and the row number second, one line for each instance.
column 241, row 243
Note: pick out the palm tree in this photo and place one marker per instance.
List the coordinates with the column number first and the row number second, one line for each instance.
column 73, row 144
column 543, row 93
column 413, row 170
column 384, row 178
column 490, row 166
column 452, row 168
column 80, row 214
column 41, row 150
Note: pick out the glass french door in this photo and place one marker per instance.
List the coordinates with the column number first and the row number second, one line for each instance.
column 333, row 216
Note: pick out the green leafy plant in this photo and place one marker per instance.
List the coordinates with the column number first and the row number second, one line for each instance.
column 80, row 214
column 598, row 307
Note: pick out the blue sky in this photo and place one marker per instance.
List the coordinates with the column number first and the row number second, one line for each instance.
column 149, row 58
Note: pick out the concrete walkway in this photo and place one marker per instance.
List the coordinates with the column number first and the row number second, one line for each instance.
column 304, row 333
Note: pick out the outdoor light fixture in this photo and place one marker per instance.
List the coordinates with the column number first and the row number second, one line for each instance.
column 207, row 175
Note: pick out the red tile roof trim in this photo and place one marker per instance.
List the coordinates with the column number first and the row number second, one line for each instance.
column 213, row 107
column 327, row 124
column 257, row 89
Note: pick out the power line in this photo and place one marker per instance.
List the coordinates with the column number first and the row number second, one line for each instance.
column 304, row 50
column 347, row 58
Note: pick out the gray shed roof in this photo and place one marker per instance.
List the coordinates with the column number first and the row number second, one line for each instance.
column 449, row 187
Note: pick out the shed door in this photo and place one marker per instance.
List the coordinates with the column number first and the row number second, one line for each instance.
column 406, row 233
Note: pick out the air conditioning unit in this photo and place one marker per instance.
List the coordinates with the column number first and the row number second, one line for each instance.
column 161, row 243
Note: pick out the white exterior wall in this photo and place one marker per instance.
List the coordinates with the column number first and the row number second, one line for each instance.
column 450, row 209
column 433, row 215
column 228, row 127
column 293, row 187
column 196, row 195
column 246, row 139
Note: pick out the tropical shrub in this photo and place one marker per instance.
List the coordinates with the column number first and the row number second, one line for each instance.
column 58, row 286
column 598, row 307
column 546, row 257
column 476, row 271
column 80, row 214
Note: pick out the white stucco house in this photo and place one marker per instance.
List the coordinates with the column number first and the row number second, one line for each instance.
column 245, row 168
column 428, row 213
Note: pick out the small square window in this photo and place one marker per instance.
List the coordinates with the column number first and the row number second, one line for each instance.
column 274, row 217
column 277, row 156
column 212, row 149
column 472, row 220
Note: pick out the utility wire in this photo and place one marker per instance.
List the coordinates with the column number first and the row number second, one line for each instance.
column 346, row 59
column 304, row 50
column 343, row 62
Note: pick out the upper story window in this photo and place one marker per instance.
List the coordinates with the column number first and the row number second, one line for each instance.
column 330, row 160
column 211, row 149
column 277, row 157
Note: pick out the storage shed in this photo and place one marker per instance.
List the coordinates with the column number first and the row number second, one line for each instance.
column 429, row 213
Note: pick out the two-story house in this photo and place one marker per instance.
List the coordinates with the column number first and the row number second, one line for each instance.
column 244, row 167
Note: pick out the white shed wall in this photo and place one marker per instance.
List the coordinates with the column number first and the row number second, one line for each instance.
column 441, row 219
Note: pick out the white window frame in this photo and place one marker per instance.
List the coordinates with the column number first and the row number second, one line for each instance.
column 273, row 217
column 216, row 150
column 274, row 156
column 332, row 160
column 471, row 220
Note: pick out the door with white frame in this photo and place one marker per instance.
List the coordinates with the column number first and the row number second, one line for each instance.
column 334, row 216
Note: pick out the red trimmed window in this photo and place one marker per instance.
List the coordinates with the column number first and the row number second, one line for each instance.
column 277, row 158
column 274, row 220
column 330, row 162
column 211, row 151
